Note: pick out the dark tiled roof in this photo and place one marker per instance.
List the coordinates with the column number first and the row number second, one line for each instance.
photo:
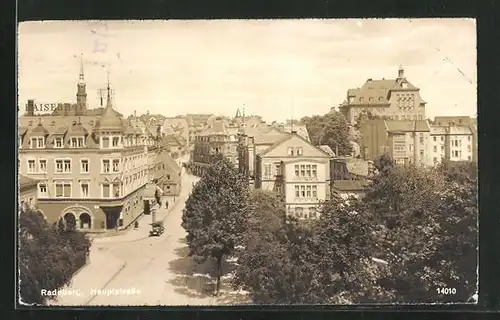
column 77, row 129
column 39, row 130
column 375, row 92
column 350, row 185
column 110, row 120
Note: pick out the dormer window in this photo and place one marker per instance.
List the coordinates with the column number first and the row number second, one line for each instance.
column 37, row 142
column 77, row 142
column 299, row 151
column 58, row 142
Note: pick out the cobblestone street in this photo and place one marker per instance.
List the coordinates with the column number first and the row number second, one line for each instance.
column 155, row 270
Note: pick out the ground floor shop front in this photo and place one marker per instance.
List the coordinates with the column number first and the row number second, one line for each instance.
column 94, row 215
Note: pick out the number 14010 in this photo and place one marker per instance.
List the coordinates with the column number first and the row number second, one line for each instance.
column 446, row 291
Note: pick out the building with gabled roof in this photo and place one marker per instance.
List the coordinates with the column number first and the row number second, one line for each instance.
column 297, row 170
column 396, row 99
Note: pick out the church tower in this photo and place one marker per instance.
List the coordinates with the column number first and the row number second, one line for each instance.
column 81, row 93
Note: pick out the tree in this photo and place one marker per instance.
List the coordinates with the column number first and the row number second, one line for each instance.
column 272, row 265
column 216, row 213
column 330, row 129
column 428, row 232
column 383, row 164
column 48, row 256
column 321, row 262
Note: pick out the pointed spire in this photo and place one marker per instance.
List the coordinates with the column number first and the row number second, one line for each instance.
column 81, row 76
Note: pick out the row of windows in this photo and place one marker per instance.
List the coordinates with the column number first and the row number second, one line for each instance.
column 306, row 191
column 300, row 213
column 407, row 117
column 65, row 165
column 64, row 189
column 307, row 170
column 79, row 142
column 469, row 149
column 458, row 141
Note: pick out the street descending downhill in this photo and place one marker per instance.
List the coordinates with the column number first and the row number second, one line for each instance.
column 157, row 268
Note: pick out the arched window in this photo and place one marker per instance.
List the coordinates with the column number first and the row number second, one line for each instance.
column 70, row 221
column 85, row 221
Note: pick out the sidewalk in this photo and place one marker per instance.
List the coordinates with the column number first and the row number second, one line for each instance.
column 142, row 232
column 101, row 269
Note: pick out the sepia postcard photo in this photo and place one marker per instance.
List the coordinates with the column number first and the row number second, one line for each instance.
column 247, row 162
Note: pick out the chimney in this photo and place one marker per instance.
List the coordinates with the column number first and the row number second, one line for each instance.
column 401, row 72
column 30, row 108
column 67, row 109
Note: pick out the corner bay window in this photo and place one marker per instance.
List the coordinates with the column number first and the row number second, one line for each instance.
column 63, row 189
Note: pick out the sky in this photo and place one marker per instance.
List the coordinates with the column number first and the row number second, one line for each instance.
column 279, row 69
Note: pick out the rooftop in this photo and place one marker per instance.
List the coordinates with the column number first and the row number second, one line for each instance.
column 350, row 185
column 377, row 92
column 355, row 166
column 328, row 150
column 407, row 125
column 25, row 182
